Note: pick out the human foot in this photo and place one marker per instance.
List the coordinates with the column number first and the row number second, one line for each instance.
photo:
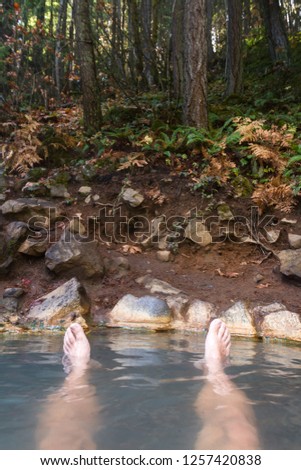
column 217, row 347
column 76, row 348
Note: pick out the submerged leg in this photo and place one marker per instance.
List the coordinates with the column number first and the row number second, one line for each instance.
column 70, row 416
column 228, row 420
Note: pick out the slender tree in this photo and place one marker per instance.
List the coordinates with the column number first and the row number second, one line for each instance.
column 177, row 47
column 234, row 61
column 195, row 63
column 276, row 32
column 60, row 44
column 86, row 59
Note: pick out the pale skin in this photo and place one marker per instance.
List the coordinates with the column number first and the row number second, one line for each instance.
column 71, row 415
column 228, row 419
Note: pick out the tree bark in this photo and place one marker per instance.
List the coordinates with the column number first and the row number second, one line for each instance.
column 86, row 59
column 276, row 32
column 60, row 44
column 234, row 62
column 177, row 47
column 195, row 64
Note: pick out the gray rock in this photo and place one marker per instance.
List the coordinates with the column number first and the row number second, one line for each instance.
column 59, row 191
column 198, row 233
column 15, row 292
column 58, row 307
column 16, row 231
column 132, row 197
column 34, row 247
column 32, row 211
column 71, row 255
column 278, row 322
column 239, row 320
column 199, row 314
column 156, row 286
column 294, row 240
column 272, row 235
column 290, row 263
column 4, row 265
column 9, row 305
column 85, row 190
column 76, row 226
column 157, row 232
column 147, row 312
column 178, row 306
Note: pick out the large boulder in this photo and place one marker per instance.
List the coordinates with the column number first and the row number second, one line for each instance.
column 290, row 263
column 199, row 314
column 146, row 312
column 278, row 322
column 60, row 306
column 73, row 255
column 239, row 320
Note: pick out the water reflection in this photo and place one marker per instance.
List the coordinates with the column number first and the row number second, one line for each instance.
column 148, row 395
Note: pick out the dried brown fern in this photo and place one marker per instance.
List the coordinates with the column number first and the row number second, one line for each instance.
column 22, row 153
column 274, row 194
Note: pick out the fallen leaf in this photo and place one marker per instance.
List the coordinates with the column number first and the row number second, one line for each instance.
column 230, row 274
column 131, row 249
column 263, row 286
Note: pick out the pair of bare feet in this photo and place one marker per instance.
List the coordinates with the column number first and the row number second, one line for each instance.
column 217, row 348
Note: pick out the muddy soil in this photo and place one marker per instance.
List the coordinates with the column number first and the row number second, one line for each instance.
column 222, row 272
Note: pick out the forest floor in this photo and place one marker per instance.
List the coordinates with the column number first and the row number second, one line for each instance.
column 221, row 273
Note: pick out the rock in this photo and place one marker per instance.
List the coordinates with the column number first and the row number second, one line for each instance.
column 118, row 267
column 178, row 305
column 147, row 312
column 76, row 226
column 85, row 190
column 35, row 212
column 59, row 191
column 132, row 197
column 258, row 278
column 16, row 231
column 9, row 305
column 34, row 246
column 294, row 240
column 96, row 197
column 4, row 265
column 15, row 292
column 290, row 263
column 272, row 235
column 198, row 233
column 239, row 320
column 278, row 322
column 88, row 199
column 164, row 256
column 35, row 189
column 199, row 314
column 156, row 286
column 289, row 221
column 70, row 254
column 157, row 230
column 224, row 212
column 61, row 305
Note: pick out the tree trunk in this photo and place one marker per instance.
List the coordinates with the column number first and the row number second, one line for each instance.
column 275, row 29
column 177, row 47
column 37, row 56
column 195, row 64
column 146, row 20
column 60, row 44
column 86, row 59
column 234, row 47
column 137, row 55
